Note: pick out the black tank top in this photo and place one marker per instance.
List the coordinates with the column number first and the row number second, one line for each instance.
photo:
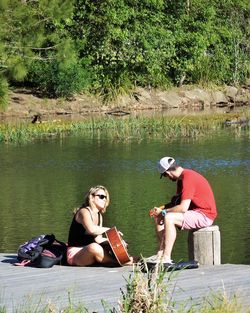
column 77, row 233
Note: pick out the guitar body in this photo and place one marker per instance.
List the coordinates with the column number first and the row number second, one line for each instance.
column 118, row 246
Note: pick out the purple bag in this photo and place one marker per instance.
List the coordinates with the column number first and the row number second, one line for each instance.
column 33, row 248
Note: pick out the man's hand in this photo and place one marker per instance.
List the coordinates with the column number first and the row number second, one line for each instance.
column 155, row 212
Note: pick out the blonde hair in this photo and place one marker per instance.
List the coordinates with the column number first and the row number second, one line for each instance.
column 90, row 195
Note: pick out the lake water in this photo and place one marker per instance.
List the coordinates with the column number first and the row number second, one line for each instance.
column 42, row 182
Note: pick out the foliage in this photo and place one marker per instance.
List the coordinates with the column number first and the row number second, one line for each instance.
column 157, row 43
column 29, row 31
column 109, row 47
column 59, row 79
column 220, row 303
column 127, row 42
column 211, row 41
column 3, row 93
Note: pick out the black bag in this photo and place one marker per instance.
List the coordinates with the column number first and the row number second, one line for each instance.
column 42, row 251
column 151, row 266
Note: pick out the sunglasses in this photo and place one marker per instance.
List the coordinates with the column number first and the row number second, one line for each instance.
column 101, row 196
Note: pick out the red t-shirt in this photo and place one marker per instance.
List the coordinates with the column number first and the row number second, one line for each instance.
column 195, row 187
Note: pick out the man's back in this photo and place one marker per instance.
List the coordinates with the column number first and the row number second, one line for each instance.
column 195, row 187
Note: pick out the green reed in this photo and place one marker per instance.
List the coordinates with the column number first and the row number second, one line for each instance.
column 165, row 127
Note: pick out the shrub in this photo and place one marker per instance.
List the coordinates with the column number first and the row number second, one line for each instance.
column 57, row 79
column 3, row 93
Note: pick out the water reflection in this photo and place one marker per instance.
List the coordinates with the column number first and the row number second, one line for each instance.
column 42, row 182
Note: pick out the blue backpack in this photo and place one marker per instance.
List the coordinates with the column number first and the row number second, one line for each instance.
column 42, row 251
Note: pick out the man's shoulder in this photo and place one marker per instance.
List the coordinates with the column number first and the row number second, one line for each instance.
column 187, row 171
column 191, row 173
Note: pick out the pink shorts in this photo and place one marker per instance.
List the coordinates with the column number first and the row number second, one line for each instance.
column 71, row 252
column 195, row 219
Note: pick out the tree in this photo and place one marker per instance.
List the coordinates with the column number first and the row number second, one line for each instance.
column 126, row 42
column 29, row 30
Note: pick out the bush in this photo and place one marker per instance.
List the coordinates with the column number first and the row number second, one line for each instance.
column 56, row 79
column 3, row 93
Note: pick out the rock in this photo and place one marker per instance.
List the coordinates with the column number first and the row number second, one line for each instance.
column 242, row 99
column 169, row 99
column 247, row 83
column 198, row 97
column 141, row 94
column 219, row 98
column 231, row 92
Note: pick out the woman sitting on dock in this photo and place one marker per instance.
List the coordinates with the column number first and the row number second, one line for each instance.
column 86, row 244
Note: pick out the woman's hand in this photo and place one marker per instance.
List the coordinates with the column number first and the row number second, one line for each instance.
column 120, row 233
column 100, row 239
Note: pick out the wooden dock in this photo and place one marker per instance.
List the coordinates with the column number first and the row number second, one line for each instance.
column 26, row 287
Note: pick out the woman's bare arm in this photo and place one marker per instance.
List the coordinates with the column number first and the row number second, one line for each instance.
column 84, row 217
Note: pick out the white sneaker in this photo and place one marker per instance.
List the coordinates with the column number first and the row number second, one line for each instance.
column 167, row 261
column 152, row 258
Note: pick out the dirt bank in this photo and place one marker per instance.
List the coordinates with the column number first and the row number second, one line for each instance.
column 26, row 104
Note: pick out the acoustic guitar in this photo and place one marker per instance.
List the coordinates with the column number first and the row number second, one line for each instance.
column 118, row 246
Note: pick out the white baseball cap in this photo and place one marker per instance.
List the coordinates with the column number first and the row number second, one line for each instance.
column 164, row 164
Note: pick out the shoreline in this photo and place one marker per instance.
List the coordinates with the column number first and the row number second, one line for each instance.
column 24, row 103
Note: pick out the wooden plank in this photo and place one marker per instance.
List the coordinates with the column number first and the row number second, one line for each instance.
column 25, row 287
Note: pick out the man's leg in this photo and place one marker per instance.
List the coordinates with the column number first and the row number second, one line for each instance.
column 159, row 226
column 171, row 221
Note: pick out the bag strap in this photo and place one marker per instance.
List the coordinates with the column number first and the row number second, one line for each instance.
column 60, row 242
column 23, row 263
column 99, row 216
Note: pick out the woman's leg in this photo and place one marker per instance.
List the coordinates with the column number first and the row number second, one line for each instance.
column 93, row 253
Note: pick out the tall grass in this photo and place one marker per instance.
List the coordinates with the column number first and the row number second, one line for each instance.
column 120, row 128
column 146, row 293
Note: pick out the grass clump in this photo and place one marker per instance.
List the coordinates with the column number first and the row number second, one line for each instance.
column 220, row 304
column 146, row 293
